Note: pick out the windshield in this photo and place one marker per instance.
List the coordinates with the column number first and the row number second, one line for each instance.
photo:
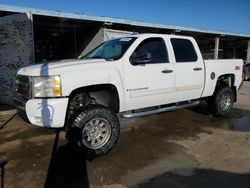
column 112, row 49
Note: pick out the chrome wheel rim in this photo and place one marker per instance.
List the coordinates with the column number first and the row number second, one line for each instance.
column 225, row 102
column 96, row 133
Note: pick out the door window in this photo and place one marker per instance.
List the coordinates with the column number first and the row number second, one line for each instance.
column 155, row 50
column 184, row 50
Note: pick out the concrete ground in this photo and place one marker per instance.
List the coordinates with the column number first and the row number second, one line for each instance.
column 184, row 148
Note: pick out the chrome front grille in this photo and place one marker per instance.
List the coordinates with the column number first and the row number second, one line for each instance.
column 23, row 86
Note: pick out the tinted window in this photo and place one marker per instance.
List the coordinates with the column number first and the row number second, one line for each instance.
column 184, row 50
column 156, row 48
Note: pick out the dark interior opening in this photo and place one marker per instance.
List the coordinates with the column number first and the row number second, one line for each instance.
column 59, row 38
column 5, row 13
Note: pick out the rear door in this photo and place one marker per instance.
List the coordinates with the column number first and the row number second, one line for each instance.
column 189, row 69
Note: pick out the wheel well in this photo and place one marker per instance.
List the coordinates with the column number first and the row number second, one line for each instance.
column 228, row 80
column 103, row 94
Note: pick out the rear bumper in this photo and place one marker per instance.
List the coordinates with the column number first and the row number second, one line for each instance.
column 43, row 112
column 241, row 84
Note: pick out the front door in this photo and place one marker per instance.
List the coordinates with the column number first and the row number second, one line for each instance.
column 151, row 81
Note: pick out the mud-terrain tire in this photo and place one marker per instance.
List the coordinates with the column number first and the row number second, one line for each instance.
column 95, row 129
column 221, row 103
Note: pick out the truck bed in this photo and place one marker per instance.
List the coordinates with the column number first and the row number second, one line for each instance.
column 215, row 68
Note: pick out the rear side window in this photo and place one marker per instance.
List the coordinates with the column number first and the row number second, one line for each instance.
column 184, row 50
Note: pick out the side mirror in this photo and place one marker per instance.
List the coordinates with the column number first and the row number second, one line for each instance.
column 140, row 57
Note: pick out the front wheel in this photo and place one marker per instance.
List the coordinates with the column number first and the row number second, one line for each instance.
column 95, row 129
column 221, row 103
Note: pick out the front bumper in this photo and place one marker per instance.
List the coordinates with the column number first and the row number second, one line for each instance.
column 20, row 102
column 43, row 112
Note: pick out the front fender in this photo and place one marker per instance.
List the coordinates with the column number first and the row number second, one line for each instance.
column 72, row 80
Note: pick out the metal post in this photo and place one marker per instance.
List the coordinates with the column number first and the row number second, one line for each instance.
column 30, row 16
column 75, row 35
column 248, row 52
column 216, row 48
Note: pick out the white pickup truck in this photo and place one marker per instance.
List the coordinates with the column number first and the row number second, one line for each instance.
column 135, row 76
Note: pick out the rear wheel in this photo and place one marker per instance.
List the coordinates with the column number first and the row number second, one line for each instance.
column 221, row 103
column 95, row 129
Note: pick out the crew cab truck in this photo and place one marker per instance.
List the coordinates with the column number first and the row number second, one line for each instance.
column 134, row 76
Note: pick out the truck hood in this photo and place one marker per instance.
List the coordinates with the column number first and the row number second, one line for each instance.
column 55, row 67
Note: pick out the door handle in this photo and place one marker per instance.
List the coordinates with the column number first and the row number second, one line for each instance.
column 166, row 71
column 197, row 69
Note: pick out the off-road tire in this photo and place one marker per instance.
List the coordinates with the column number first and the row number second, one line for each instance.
column 81, row 118
column 215, row 102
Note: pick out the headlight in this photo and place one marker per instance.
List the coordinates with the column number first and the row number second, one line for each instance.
column 47, row 86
